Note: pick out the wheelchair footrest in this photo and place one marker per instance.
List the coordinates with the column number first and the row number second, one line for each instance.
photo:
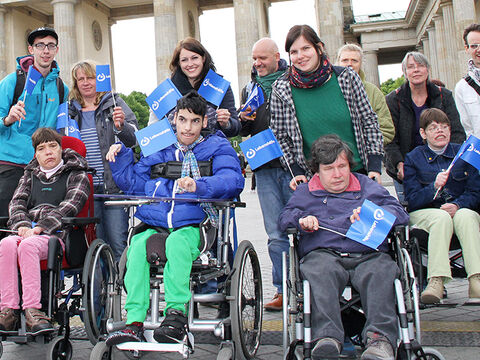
column 149, row 346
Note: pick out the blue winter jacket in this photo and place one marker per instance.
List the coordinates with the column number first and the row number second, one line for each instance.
column 41, row 107
column 226, row 182
column 421, row 168
column 333, row 211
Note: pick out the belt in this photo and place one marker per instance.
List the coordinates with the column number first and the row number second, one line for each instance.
column 349, row 255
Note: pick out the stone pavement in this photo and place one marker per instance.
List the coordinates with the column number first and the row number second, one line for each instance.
column 453, row 330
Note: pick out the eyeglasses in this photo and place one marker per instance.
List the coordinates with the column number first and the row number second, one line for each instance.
column 435, row 128
column 474, row 46
column 49, row 46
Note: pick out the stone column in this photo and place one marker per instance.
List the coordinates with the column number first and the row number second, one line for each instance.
column 432, row 54
column 330, row 24
column 3, row 46
column 245, row 36
column 426, row 47
column 441, row 53
column 370, row 67
column 465, row 14
column 451, row 51
column 166, row 36
column 110, row 49
column 64, row 23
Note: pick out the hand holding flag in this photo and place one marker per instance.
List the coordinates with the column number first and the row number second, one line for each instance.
column 261, row 148
column 104, row 80
column 255, row 100
column 33, row 76
column 372, row 227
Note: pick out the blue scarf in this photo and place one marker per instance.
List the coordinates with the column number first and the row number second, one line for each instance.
column 190, row 168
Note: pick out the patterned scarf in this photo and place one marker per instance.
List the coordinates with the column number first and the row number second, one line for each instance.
column 474, row 70
column 190, row 168
column 308, row 80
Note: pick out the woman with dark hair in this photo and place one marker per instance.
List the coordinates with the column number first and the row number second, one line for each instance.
column 102, row 121
column 315, row 98
column 189, row 65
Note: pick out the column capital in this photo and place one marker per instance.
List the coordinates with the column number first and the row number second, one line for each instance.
column 444, row 3
column 3, row 9
column 54, row 2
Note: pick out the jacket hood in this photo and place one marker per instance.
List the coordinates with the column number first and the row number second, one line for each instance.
column 24, row 62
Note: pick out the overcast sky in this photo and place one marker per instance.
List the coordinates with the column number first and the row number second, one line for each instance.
column 134, row 55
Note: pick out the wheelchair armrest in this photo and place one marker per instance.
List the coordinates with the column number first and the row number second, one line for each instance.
column 3, row 221
column 55, row 253
column 292, row 231
column 80, row 220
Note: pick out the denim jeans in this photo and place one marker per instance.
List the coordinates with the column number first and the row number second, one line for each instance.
column 274, row 193
column 113, row 226
column 399, row 190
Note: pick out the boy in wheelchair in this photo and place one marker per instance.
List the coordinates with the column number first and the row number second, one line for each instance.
column 224, row 181
column 332, row 199
column 454, row 208
column 54, row 185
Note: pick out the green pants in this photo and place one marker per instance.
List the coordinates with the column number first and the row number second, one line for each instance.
column 440, row 227
column 181, row 250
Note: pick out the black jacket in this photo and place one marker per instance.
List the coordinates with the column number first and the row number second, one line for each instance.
column 399, row 102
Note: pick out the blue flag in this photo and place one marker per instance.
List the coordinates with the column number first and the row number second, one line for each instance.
column 67, row 123
column 255, row 99
column 103, row 78
column 261, row 148
column 213, row 88
column 374, row 225
column 163, row 98
column 32, row 77
column 471, row 154
column 155, row 137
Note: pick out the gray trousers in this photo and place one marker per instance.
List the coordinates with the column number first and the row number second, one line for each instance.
column 371, row 275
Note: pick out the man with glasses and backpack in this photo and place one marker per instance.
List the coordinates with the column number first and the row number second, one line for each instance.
column 21, row 115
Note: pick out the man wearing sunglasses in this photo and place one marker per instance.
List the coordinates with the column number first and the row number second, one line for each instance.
column 467, row 90
column 21, row 115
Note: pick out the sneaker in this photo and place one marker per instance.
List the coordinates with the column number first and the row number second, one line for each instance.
column 276, row 304
column 37, row 321
column 132, row 332
column 326, row 348
column 474, row 286
column 9, row 319
column 173, row 328
column 433, row 293
column 378, row 348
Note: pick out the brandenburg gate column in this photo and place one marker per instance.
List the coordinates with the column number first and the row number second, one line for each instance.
column 245, row 36
column 166, row 36
column 3, row 41
column 330, row 25
column 432, row 54
column 441, row 52
column 64, row 23
column 453, row 75
column 370, row 66
column 465, row 14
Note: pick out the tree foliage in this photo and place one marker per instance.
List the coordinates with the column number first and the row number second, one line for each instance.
column 390, row 85
column 136, row 102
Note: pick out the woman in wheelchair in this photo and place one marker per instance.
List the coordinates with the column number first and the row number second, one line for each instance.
column 328, row 260
column 180, row 218
column 452, row 210
column 54, row 185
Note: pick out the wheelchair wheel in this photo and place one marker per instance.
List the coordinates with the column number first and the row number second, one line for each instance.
column 100, row 351
column 60, row 349
column 430, row 354
column 246, row 309
column 119, row 312
column 225, row 353
column 98, row 286
column 1, row 349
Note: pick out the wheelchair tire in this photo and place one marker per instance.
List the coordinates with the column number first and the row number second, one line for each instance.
column 1, row 349
column 119, row 312
column 225, row 353
column 59, row 349
column 100, row 351
column 246, row 308
column 98, row 280
column 430, row 354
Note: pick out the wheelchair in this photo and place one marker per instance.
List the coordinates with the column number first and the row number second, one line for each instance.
column 238, row 326
column 65, row 286
column 297, row 327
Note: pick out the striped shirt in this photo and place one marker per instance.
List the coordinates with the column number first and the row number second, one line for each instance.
column 90, row 138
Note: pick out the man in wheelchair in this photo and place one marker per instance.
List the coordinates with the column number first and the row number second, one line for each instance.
column 54, row 185
column 180, row 219
column 328, row 260
column 454, row 208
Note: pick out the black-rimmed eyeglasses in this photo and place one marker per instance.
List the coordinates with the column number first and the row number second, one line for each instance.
column 49, row 46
